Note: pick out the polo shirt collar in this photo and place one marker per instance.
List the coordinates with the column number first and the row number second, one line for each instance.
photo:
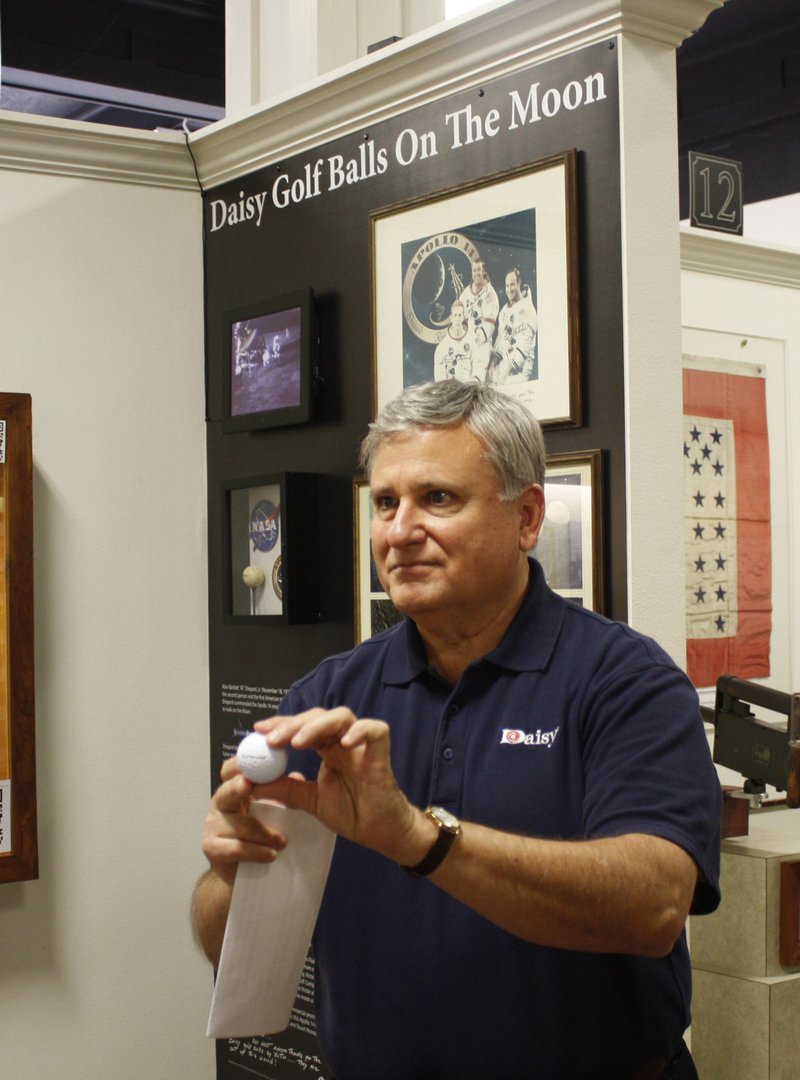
column 527, row 645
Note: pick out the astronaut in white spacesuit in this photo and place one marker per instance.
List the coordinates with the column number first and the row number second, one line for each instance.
column 481, row 306
column 453, row 358
column 514, row 356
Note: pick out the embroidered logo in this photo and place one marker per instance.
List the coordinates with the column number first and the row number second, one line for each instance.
column 516, row 737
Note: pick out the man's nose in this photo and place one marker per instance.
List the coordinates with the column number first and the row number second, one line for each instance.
column 406, row 525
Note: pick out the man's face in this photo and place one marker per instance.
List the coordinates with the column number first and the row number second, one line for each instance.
column 478, row 275
column 457, row 319
column 444, row 544
column 512, row 288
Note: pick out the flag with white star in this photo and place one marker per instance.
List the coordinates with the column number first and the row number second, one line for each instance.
column 709, row 465
column 727, row 534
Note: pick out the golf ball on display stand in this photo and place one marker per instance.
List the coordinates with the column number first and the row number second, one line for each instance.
column 259, row 761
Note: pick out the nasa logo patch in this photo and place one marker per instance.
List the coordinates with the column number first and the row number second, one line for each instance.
column 264, row 525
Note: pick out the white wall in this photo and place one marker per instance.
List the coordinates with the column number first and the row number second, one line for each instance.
column 101, row 322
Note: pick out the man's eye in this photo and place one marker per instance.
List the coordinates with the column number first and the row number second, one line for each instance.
column 439, row 498
column 384, row 503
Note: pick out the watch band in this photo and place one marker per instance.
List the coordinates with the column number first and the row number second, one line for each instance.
column 449, row 829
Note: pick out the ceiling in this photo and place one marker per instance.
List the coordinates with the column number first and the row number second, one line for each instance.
column 161, row 63
column 135, row 63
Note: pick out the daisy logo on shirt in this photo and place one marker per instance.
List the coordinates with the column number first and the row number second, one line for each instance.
column 517, row 737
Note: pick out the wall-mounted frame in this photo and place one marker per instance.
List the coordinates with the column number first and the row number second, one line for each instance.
column 19, row 849
column 271, row 549
column 270, row 351
column 570, row 546
column 374, row 611
column 522, row 226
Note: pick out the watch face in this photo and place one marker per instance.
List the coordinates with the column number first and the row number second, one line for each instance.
column 445, row 818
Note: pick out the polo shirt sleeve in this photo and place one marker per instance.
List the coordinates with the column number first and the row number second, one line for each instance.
column 647, row 765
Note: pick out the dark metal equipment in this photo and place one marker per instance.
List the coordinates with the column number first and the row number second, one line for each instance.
column 762, row 752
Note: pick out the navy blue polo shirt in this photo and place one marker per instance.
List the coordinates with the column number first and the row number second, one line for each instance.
column 573, row 727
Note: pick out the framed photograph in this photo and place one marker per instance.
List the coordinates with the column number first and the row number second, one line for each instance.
column 19, row 847
column 480, row 282
column 374, row 611
column 270, row 356
column 272, row 564
column 570, row 546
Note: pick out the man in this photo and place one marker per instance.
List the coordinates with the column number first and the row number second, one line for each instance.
column 481, row 306
column 453, row 357
column 514, row 356
column 530, row 922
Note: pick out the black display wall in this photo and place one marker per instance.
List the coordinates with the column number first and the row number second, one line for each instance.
column 256, row 249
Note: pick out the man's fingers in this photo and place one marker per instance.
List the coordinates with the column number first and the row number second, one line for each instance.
column 232, row 795
column 230, row 838
column 319, row 729
column 230, row 852
column 293, row 790
column 229, row 768
column 307, row 729
column 363, row 732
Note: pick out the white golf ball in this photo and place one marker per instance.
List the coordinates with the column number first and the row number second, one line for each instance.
column 259, row 761
column 253, row 577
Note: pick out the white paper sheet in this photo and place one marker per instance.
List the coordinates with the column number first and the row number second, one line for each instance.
column 273, row 911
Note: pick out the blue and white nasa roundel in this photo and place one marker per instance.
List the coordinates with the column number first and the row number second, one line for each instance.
column 264, row 525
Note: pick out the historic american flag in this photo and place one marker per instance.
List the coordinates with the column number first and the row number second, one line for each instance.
column 727, row 524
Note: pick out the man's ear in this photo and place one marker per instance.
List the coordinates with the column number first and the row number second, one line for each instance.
column 531, row 503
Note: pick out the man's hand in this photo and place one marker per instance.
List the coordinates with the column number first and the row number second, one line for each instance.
column 355, row 793
column 230, row 835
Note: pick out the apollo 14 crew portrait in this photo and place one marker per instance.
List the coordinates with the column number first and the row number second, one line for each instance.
column 486, row 343
column 483, row 339
column 469, row 303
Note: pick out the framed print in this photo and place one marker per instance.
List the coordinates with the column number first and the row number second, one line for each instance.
column 374, row 611
column 19, row 847
column 270, row 357
column 271, row 549
column 570, row 546
column 480, row 282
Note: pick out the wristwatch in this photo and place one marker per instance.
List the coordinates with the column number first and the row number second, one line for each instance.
column 449, row 829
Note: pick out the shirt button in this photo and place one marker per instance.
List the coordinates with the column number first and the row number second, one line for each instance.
column 448, row 753
column 454, row 708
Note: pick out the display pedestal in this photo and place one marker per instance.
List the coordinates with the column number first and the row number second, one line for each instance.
column 746, row 1001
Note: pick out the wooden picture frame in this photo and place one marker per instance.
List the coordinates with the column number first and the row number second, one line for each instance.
column 19, row 848
column 522, row 225
column 571, row 548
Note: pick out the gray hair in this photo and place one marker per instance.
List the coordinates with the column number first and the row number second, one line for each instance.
column 512, row 437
